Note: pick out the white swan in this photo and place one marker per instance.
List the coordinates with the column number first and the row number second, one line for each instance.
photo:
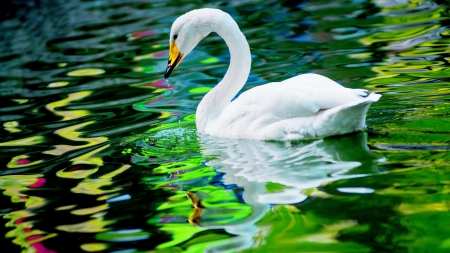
column 304, row 106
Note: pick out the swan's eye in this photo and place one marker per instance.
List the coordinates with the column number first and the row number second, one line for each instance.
column 175, row 37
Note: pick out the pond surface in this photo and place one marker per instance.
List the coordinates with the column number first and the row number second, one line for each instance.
column 100, row 154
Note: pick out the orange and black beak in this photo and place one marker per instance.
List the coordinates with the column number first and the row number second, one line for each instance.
column 175, row 58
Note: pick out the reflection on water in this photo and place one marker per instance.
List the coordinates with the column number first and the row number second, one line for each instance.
column 274, row 173
column 290, row 169
column 99, row 151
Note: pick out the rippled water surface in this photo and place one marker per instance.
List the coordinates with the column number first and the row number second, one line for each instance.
column 100, row 154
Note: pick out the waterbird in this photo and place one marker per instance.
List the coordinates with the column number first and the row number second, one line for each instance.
column 305, row 106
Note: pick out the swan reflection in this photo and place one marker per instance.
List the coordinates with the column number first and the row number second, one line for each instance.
column 294, row 168
column 300, row 166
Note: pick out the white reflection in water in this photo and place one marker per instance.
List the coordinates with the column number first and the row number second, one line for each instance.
column 303, row 165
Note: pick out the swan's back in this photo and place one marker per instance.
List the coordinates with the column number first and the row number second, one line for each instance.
column 324, row 90
column 292, row 109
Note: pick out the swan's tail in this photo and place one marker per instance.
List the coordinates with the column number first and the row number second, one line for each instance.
column 339, row 120
column 373, row 97
column 344, row 119
column 360, row 92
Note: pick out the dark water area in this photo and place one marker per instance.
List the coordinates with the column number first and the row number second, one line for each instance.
column 100, row 153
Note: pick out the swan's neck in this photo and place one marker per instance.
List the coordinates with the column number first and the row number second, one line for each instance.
column 221, row 95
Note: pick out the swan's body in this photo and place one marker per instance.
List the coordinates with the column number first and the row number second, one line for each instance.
column 304, row 106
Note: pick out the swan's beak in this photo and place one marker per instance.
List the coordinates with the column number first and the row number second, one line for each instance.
column 175, row 58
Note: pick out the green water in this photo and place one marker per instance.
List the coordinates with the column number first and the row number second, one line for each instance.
column 99, row 152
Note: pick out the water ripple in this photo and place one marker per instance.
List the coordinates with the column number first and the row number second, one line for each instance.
column 100, row 153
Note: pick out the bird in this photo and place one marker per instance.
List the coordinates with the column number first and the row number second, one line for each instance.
column 306, row 106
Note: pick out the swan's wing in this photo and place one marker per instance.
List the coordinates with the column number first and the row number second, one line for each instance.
column 316, row 80
column 272, row 99
column 335, row 121
column 311, row 79
column 324, row 87
column 300, row 96
column 262, row 106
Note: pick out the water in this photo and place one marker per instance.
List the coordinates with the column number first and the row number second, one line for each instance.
column 100, row 153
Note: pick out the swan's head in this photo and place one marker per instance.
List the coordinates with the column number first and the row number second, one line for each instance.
column 187, row 31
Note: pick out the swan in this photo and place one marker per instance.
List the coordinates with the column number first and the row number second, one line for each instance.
column 306, row 106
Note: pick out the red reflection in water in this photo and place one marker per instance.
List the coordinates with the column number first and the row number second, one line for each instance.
column 159, row 54
column 20, row 220
column 141, row 34
column 38, row 246
column 41, row 249
column 23, row 161
column 159, row 84
column 39, row 183
column 77, row 167
column 167, row 219
column 33, row 237
column 154, row 100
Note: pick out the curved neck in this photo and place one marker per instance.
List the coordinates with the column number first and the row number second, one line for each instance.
column 221, row 95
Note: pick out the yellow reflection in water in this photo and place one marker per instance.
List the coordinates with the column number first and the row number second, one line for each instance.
column 20, row 100
column 14, row 185
column 72, row 134
column 148, row 56
column 11, row 126
column 90, row 210
column 58, row 84
column 165, row 115
column 86, row 72
column 16, row 162
column 73, row 114
column 116, row 172
column 91, row 226
column 61, row 208
column 397, row 34
column 33, row 140
column 92, row 247
column 410, row 209
column 88, row 158
column 93, row 186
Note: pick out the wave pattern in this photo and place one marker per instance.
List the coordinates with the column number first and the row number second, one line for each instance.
column 100, row 153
